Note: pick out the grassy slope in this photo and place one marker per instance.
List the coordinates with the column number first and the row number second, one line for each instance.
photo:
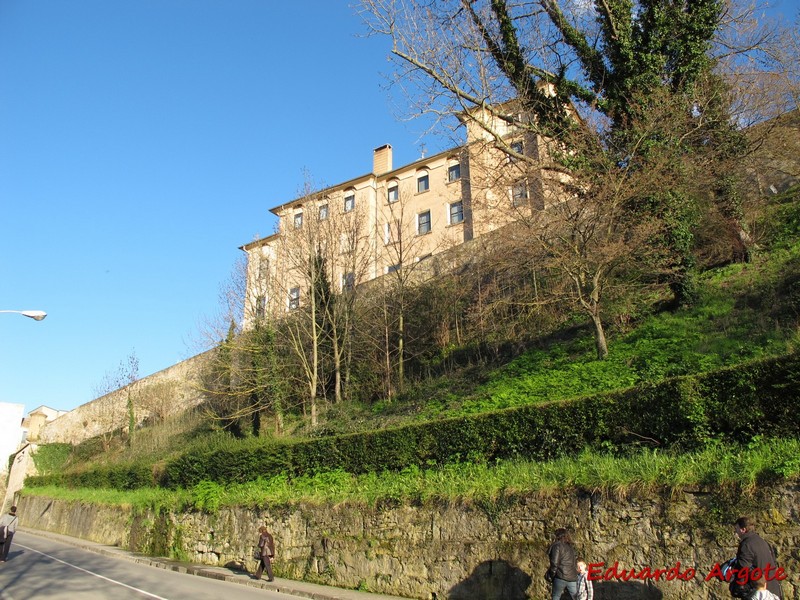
column 744, row 313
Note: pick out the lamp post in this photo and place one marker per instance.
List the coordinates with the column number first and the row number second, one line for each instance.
column 36, row 315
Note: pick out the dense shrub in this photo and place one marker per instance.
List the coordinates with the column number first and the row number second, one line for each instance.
column 119, row 477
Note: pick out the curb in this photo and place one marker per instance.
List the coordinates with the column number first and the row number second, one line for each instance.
column 300, row 589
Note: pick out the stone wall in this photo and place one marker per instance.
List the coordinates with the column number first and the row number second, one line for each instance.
column 484, row 551
column 22, row 467
column 173, row 390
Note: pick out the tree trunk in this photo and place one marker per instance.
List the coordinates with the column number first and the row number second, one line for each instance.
column 599, row 337
column 400, row 352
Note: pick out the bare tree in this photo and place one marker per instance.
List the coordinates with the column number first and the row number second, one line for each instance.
column 323, row 249
column 159, row 399
column 403, row 254
column 106, row 412
column 346, row 249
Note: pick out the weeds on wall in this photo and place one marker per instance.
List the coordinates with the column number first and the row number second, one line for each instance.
column 51, row 458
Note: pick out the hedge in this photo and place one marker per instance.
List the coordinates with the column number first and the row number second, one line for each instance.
column 733, row 405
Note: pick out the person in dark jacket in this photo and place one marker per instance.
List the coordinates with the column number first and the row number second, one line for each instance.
column 563, row 566
column 267, row 546
column 754, row 552
column 8, row 520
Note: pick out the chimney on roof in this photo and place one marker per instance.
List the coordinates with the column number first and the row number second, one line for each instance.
column 382, row 160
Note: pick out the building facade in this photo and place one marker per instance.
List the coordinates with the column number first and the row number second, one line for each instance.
column 393, row 218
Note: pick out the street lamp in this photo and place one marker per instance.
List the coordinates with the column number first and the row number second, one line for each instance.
column 36, row 315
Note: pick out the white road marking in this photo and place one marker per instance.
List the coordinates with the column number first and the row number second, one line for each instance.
column 130, row 587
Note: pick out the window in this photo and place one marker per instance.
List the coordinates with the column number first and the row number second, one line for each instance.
column 323, row 212
column 261, row 307
column 424, row 222
column 391, row 232
column 453, row 173
column 294, row 298
column 519, row 194
column 517, row 147
column 345, row 245
column 423, row 184
column 393, row 194
column 456, row 213
column 393, row 268
column 349, row 202
column 348, row 281
column 298, row 220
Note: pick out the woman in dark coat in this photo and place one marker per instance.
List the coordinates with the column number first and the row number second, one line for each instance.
column 563, row 569
column 266, row 545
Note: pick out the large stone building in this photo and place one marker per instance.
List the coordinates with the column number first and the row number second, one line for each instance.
column 394, row 217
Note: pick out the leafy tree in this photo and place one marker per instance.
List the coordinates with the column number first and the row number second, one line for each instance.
column 622, row 101
column 243, row 382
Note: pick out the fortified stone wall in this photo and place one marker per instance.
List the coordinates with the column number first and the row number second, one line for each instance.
column 486, row 551
column 171, row 391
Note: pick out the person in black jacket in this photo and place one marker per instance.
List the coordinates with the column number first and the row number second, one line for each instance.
column 753, row 552
column 563, row 569
column 9, row 523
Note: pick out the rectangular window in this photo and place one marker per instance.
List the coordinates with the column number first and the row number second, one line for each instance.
column 349, row 202
column 298, row 220
column 422, row 184
column 393, row 268
column 261, row 307
column 391, row 232
column 517, row 147
column 424, row 222
column 294, row 298
column 323, row 212
column 393, row 195
column 519, row 194
column 454, row 173
column 348, row 281
column 456, row 212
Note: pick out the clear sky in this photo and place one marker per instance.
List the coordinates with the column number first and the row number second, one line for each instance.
column 141, row 143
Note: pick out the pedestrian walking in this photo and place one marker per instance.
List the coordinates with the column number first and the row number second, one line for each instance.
column 8, row 527
column 266, row 552
column 563, row 571
column 753, row 553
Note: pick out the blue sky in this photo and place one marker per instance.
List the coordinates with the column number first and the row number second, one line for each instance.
column 141, row 143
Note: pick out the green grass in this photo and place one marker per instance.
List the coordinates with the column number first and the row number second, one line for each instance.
column 762, row 461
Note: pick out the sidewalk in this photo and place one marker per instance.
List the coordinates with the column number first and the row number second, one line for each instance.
column 241, row 577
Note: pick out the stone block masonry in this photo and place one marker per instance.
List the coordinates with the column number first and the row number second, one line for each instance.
column 173, row 390
column 460, row 551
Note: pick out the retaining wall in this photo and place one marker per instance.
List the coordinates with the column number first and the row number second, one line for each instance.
column 463, row 551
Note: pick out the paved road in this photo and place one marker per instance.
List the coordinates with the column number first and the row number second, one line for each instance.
column 43, row 567
column 46, row 565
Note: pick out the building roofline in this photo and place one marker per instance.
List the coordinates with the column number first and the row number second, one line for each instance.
column 351, row 182
column 257, row 243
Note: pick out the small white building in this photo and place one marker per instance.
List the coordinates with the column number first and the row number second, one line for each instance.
column 18, row 434
column 33, row 423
